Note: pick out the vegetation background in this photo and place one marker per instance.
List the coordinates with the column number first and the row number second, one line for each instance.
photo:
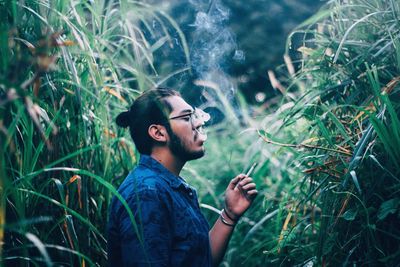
column 326, row 139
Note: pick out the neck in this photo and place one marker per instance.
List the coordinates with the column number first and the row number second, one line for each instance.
column 168, row 160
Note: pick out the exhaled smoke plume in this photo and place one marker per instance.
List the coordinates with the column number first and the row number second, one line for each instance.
column 213, row 46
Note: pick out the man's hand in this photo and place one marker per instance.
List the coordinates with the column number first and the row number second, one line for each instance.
column 239, row 195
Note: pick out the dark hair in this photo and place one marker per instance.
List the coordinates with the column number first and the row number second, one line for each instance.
column 151, row 107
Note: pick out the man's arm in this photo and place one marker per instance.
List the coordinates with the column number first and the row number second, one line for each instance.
column 220, row 235
column 238, row 197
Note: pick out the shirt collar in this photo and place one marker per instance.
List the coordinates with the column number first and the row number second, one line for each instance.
column 173, row 180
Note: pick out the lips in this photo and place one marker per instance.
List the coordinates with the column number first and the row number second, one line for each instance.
column 200, row 135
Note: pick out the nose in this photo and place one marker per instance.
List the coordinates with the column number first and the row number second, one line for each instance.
column 200, row 117
column 197, row 122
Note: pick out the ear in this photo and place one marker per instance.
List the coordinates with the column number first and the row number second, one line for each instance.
column 158, row 132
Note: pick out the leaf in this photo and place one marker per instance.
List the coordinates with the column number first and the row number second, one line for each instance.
column 349, row 215
column 40, row 246
column 114, row 93
column 321, row 15
column 324, row 131
column 387, row 207
column 355, row 180
column 305, row 50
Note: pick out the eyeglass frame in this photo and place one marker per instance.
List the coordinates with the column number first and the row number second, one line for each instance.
column 197, row 112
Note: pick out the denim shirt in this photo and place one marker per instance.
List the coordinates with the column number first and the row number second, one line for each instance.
column 173, row 231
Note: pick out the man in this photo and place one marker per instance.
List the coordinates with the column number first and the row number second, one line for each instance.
column 169, row 229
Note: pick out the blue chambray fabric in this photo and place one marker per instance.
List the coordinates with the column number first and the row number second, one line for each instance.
column 172, row 228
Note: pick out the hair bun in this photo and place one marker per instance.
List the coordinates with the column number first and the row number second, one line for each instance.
column 123, row 119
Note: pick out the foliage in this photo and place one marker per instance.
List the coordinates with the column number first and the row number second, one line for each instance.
column 349, row 95
column 328, row 158
column 67, row 68
column 332, row 198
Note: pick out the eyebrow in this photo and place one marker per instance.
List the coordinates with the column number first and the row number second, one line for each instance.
column 185, row 111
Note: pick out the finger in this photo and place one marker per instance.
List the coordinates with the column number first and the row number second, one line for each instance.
column 252, row 193
column 245, row 181
column 236, row 180
column 249, row 186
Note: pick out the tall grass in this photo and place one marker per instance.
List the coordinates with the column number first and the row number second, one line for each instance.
column 328, row 173
column 346, row 207
column 67, row 67
column 328, row 157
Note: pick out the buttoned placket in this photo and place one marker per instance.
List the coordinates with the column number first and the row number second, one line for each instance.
column 189, row 190
column 193, row 197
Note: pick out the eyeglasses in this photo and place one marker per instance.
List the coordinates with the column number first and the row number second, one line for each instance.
column 194, row 116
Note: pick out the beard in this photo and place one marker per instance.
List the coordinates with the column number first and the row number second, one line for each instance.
column 179, row 148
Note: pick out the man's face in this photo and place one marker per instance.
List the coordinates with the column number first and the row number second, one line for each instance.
column 186, row 140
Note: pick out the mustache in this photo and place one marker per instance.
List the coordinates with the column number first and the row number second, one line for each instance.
column 198, row 135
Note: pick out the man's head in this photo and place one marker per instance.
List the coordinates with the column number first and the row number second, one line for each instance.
column 160, row 117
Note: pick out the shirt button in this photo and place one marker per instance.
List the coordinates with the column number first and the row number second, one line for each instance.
column 190, row 194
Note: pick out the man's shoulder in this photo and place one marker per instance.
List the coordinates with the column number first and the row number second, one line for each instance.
column 142, row 182
column 143, row 178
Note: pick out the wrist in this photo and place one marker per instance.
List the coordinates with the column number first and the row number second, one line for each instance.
column 226, row 220
column 233, row 217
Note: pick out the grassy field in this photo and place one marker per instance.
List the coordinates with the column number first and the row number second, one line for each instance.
column 327, row 149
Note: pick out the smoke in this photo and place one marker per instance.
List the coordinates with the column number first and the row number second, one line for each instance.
column 213, row 47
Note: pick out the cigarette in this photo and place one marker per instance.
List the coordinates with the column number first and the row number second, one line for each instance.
column 249, row 172
column 251, row 168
